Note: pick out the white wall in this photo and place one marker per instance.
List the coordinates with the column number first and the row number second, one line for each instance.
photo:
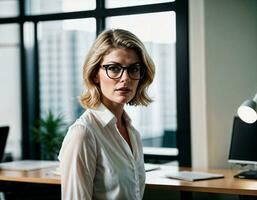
column 197, row 84
column 223, row 49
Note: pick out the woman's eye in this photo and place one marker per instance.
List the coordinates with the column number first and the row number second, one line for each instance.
column 135, row 69
column 114, row 69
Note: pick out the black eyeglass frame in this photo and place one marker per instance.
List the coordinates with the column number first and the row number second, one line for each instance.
column 142, row 70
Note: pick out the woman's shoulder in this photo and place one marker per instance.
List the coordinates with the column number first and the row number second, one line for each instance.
column 80, row 135
column 85, row 120
column 77, row 140
column 82, row 125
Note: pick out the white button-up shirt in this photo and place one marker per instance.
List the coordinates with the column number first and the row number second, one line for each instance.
column 97, row 163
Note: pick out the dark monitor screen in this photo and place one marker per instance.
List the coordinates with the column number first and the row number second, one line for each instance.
column 243, row 147
column 3, row 137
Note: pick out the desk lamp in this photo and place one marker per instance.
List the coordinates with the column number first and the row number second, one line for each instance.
column 248, row 110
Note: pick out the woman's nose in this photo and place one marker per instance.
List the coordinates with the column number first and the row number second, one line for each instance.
column 125, row 75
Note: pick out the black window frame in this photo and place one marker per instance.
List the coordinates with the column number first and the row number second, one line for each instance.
column 30, row 71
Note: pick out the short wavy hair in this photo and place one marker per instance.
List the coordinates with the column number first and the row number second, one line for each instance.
column 113, row 39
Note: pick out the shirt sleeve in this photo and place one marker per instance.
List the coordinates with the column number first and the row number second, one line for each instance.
column 78, row 164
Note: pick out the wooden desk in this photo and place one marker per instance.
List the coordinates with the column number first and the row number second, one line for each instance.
column 34, row 185
column 42, row 176
column 227, row 185
column 154, row 180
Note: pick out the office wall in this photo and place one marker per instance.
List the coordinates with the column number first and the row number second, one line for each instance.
column 224, row 34
column 198, row 84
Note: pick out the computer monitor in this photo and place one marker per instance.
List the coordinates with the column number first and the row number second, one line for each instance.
column 243, row 145
column 3, row 137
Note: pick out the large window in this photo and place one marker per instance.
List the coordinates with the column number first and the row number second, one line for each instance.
column 55, row 37
column 124, row 3
column 10, row 107
column 37, row 7
column 160, row 118
column 63, row 45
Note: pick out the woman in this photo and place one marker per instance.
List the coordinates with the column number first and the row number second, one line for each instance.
column 101, row 156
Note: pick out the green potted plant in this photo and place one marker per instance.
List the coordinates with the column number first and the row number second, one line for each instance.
column 49, row 131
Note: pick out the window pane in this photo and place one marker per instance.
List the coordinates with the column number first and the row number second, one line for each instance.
column 124, row 3
column 62, row 49
column 34, row 7
column 9, row 8
column 10, row 106
column 9, row 35
column 156, row 123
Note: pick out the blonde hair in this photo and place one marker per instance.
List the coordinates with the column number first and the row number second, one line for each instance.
column 111, row 39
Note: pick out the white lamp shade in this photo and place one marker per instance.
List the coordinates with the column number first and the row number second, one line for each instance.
column 247, row 111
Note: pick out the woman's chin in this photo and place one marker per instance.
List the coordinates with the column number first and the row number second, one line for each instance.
column 122, row 101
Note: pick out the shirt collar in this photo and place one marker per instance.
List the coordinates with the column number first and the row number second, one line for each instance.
column 105, row 116
column 127, row 118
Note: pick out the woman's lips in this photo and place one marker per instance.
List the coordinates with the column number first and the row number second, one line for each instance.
column 123, row 90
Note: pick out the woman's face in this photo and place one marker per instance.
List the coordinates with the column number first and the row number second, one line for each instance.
column 121, row 90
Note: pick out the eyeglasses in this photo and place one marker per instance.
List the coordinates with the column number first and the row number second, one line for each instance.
column 115, row 71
